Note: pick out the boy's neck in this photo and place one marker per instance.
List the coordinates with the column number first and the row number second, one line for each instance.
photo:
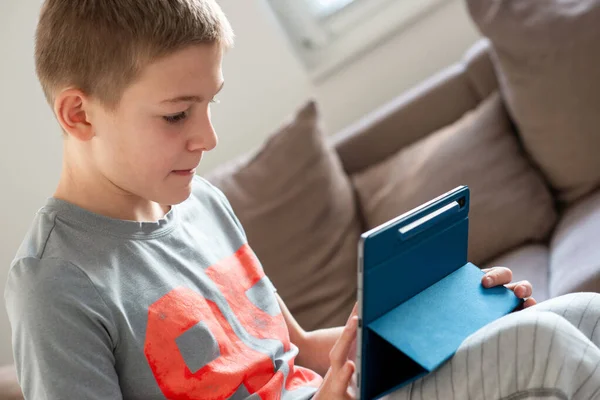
column 99, row 195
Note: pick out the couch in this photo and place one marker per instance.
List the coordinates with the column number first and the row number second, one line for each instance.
column 516, row 120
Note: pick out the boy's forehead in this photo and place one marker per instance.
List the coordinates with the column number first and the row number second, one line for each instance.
column 196, row 68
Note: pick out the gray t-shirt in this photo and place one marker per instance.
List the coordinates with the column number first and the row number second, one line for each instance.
column 179, row 308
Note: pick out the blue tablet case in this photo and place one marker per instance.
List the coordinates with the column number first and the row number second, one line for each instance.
column 419, row 296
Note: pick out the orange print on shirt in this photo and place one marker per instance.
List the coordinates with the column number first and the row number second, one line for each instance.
column 182, row 308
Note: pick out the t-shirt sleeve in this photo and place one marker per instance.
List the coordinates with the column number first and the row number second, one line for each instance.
column 63, row 337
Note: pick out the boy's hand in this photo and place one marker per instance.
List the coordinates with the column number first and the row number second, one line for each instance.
column 502, row 276
column 337, row 384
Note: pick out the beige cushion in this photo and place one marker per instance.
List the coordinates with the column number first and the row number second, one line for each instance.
column 9, row 386
column 531, row 263
column 375, row 136
column 509, row 203
column 575, row 249
column 480, row 70
column 299, row 212
column 546, row 54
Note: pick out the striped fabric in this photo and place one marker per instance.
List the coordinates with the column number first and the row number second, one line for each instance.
column 550, row 351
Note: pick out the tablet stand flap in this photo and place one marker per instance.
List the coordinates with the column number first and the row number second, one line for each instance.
column 430, row 326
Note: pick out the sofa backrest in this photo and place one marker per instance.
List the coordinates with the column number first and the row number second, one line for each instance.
column 431, row 105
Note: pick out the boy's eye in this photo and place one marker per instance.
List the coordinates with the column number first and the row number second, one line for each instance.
column 173, row 119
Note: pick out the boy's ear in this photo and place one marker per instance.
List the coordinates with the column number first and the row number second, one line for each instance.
column 70, row 110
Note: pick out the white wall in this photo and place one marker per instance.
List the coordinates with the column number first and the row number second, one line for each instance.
column 30, row 144
column 264, row 83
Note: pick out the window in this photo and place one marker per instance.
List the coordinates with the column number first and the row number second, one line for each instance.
column 325, row 8
column 329, row 33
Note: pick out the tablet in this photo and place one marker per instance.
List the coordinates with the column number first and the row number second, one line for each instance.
column 418, row 296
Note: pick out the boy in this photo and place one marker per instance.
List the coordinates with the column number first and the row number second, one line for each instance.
column 136, row 280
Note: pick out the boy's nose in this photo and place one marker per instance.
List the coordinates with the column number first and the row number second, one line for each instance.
column 204, row 138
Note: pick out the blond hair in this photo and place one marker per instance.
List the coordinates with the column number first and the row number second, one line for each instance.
column 100, row 46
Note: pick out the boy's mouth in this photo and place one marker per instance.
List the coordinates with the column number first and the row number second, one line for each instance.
column 185, row 172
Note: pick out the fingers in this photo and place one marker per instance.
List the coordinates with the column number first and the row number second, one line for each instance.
column 339, row 353
column 496, row 276
column 342, row 380
column 523, row 289
column 338, row 380
column 530, row 302
column 337, row 384
column 352, row 353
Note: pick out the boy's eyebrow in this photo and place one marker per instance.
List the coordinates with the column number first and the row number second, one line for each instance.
column 193, row 99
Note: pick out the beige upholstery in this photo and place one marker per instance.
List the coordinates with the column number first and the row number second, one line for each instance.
column 430, row 106
column 381, row 134
column 528, row 262
column 298, row 210
column 575, row 259
column 415, row 114
column 547, row 58
column 272, row 191
column 510, row 204
column 479, row 70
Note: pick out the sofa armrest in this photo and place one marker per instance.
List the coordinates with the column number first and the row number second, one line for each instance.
column 574, row 250
column 429, row 106
column 435, row 103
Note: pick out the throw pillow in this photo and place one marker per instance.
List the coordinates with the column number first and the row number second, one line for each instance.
column 548, row 65
column 298, row 209
column 510, row 204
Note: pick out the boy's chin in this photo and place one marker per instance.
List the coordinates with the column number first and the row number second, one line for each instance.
column 173, row 196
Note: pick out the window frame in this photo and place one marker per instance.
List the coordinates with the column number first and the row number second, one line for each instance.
column 324, row 44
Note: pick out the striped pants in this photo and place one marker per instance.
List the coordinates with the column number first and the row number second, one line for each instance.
column 549, row 351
